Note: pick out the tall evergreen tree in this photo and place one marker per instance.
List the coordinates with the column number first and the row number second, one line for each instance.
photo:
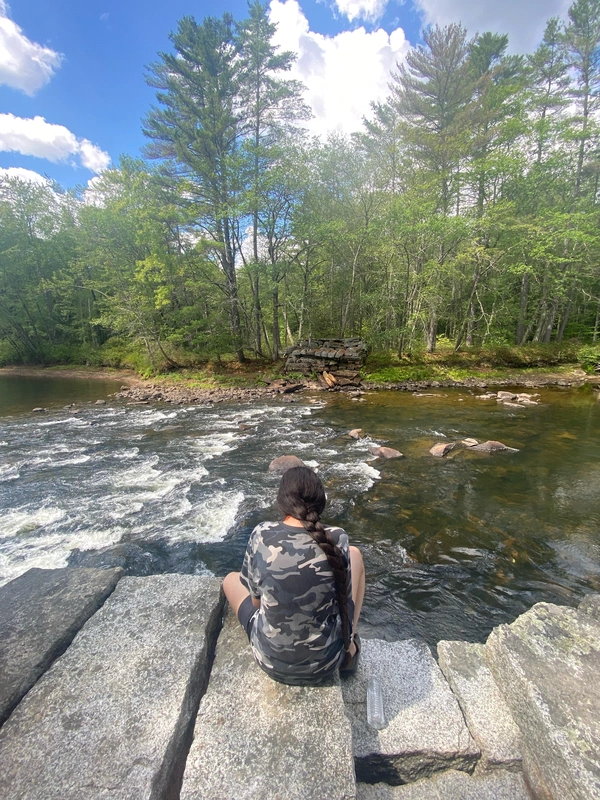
column 197, row 131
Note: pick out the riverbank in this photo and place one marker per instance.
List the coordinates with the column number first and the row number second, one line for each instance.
column 234, row 384
column 126, row 376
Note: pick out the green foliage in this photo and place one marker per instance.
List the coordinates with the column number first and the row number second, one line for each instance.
column 589, row 358
column 458, row 232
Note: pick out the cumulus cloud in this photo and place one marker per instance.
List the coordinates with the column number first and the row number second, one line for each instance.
column 36, row 137
column 22, row 174
column 361, row 9
column 24, row 65
column 342, row 73
column 523, row 20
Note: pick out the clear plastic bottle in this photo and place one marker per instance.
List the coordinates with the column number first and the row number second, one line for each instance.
column 375, row 715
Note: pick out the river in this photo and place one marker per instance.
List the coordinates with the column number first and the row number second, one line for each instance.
column 452, row 546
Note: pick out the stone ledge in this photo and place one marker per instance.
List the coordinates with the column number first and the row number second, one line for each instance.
column 111, row 718
column 256, row 739
column 482, row 704
column 40, row 613
column 547, row 665
column 425, row 730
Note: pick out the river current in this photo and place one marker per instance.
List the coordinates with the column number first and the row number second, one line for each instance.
column 452, row 546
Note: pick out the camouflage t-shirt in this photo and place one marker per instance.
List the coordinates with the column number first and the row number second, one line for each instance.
column 297, row 633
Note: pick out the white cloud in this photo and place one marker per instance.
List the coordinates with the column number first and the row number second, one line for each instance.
column 22, row 174
column 361, row 9
column 24, row 65
column 36, row 137
column 523, row 20
column 342, row 73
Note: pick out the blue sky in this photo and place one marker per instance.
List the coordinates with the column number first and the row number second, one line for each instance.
column 72, row 90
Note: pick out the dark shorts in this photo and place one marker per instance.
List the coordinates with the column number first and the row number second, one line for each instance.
column 247, row 614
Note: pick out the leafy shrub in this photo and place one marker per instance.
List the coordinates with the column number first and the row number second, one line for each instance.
column 589, row 357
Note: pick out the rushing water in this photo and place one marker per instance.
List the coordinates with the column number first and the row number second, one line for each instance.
column 452, row 546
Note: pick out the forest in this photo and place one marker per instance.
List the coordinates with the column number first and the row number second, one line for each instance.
column 464, row 214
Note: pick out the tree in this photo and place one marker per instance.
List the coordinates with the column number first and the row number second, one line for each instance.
column 582, row 37
column 197, row 134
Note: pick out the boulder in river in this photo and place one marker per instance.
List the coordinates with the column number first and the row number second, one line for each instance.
column 470, row 442
column 385, row 452
column 440, row 449
column 492, row 446
column 37, row 409
column 281, row 464
column 357, row 433
column 506, row 396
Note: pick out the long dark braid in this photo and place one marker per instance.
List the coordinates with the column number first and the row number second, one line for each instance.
column 302, row 496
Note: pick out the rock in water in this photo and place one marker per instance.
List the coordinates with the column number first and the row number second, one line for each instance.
column 470, row 442
column 281, row 464
column 439, row 450
column 110, row 720
column 547, row 665
column 40, row 613
column 256, row 739
column 385, row 452
column 357, row 433
column 506, row 396
column 492, row 447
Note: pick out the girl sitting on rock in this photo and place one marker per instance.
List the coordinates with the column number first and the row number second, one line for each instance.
column 301, row 589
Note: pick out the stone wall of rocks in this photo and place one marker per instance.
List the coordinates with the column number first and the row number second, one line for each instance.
column 330, row 355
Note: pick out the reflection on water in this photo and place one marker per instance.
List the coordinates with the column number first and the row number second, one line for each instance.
column 452, row 546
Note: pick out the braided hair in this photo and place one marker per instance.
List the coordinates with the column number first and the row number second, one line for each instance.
column 302, row 496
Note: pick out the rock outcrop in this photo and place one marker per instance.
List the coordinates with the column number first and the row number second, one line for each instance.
column 482, row 704
column 40, row 613
column 547, row 665
column 425, row 731
column 113, row 717
column 110, row 720
column 255, row 738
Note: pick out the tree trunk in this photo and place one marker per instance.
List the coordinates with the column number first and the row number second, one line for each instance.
column 431, row 332
column 523, row 308
column 276, row 334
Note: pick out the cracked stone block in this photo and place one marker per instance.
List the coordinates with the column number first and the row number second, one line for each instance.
column 485, row 710
column 451, row 785
column 40, row 613
column 111, row 718
column 256, row 739
column 547, row 665
column 425, row 730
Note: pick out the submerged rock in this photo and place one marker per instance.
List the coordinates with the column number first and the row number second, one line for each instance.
column 281, row 464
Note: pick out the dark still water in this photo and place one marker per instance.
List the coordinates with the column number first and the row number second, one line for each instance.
column 452, row 546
